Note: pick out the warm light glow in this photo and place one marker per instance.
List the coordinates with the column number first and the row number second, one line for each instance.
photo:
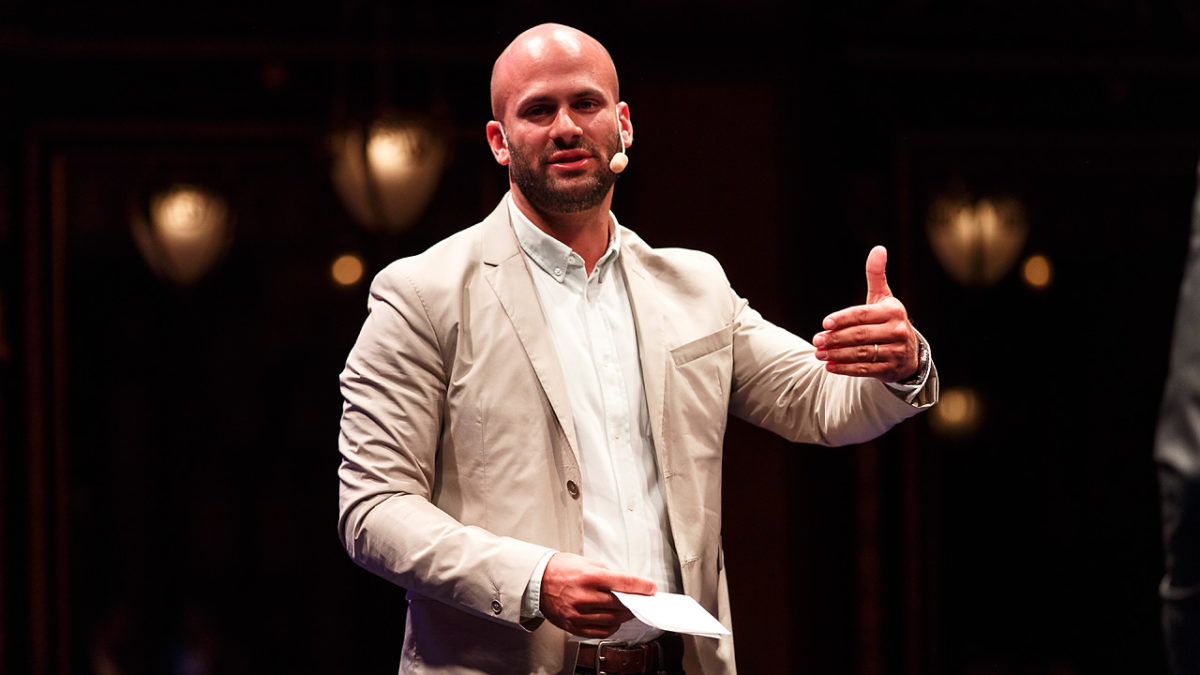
column 958, row 413
column 1037, row 271
column 976, row 243
column 185, row 214
column 183, row 232
column 394, row 151
column 387, row 183
column 347, row 269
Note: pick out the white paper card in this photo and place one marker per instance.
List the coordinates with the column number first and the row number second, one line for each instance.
column 672, row 612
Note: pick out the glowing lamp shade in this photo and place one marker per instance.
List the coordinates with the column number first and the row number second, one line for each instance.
column 387, row 174
column 183, row 231
column 976, row 242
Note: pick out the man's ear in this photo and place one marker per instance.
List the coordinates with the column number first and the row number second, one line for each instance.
column 498, row 143
column 625, row 123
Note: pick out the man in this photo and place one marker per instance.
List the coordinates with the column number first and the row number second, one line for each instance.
column 535, row 407
column 1177, row 452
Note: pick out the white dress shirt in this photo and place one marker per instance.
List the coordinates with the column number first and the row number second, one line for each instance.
column 590, row 320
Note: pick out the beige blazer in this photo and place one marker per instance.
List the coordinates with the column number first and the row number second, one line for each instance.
column 460, row 466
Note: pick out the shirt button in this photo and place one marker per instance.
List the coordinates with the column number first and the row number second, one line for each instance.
column 572, row 488
column 558, row 271
column 496, row 607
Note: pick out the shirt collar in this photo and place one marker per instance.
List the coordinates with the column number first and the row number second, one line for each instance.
column 550, row 254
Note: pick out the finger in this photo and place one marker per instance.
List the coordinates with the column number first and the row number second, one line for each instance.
column 851, row 337
column 877, row 285
column 630, row 584
column 880, row 312
column 868, row 353
column 890, row 333
column 875, row 334
column 591, row 624
column 891, row 363
column 858, row 369
column 592, row 631
column 609, row 617
column 596, row 602
column 597, row 609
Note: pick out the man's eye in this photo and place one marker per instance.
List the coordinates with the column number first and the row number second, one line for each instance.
column 587, row 105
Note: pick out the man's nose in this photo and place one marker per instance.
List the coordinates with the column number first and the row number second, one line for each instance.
column 565, row 127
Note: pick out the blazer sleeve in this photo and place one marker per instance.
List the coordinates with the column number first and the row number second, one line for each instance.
column 779, row 384
column 394, row 386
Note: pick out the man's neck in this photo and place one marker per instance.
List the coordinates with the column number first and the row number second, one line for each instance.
column 585, row 232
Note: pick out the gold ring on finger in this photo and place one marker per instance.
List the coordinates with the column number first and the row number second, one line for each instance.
column 875, row 356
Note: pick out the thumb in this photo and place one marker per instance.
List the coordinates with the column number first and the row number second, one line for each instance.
column 877, row 285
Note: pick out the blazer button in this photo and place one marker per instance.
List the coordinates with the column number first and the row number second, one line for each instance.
column 572, row 488
column 496, row 606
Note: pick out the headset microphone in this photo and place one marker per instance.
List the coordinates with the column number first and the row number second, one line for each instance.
column 620, row 160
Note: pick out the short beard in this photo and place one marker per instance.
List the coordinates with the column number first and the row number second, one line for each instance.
column 545, row 197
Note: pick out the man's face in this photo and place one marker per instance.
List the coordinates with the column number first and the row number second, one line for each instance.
column 558, row 121
column 565, row 176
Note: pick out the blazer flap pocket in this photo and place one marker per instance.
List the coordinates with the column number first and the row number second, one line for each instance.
column 705, row 345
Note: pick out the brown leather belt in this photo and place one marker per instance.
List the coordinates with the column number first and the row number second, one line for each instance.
column 616, row 658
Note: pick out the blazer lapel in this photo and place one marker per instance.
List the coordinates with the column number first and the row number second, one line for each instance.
column 506, row 272
column 648, row 319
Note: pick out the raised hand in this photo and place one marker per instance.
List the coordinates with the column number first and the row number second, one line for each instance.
column 577, row 595
column 874, row 339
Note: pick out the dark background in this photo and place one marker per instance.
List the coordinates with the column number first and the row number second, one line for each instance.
column 168, row 454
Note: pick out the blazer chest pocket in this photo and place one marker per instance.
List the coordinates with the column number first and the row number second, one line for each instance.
column 698, row 393
column 704, row 346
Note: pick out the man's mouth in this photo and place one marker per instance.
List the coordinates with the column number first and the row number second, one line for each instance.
column 569, row 159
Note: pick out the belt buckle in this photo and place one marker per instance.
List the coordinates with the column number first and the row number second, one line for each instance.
column 600, row 654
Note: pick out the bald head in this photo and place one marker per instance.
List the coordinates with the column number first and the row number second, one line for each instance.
column 544, row 49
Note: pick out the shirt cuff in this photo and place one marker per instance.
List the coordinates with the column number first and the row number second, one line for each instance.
column 531, row 604
column 909, row 388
